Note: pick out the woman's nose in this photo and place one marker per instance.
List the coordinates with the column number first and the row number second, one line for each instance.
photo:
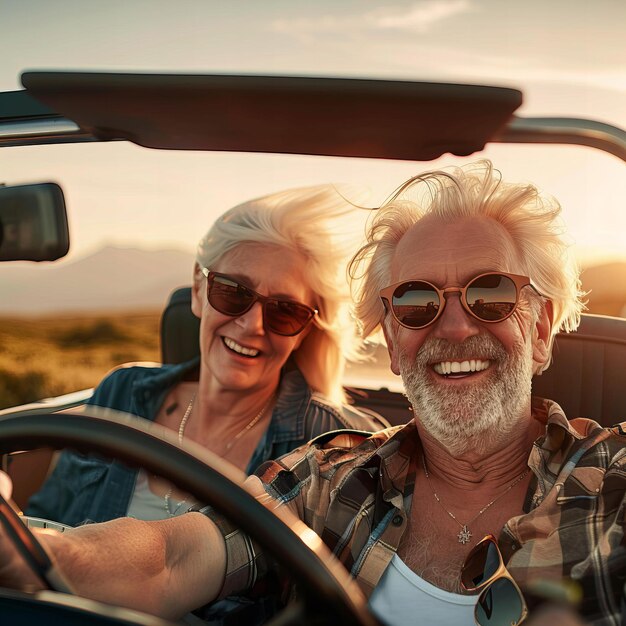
column 252, row 320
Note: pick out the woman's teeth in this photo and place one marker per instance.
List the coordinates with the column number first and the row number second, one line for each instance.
column 460, row 367
column 239, row 349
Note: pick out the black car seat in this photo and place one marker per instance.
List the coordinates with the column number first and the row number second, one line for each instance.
column 588, row 372
column 587, row 376
column 180, row 328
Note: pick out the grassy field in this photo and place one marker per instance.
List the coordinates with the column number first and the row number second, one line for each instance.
column 49, row 356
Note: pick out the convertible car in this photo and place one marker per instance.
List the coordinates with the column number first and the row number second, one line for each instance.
column 368, row 119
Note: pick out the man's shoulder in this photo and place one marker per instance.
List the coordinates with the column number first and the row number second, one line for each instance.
column 617, row 445
column 330, row 450
column 551, row 412
column 618, row 430
column 322, row 461
column 347, row 416
column 351, row 438
column 589, row 428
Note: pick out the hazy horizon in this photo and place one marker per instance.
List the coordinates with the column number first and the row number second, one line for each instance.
column 115, row 279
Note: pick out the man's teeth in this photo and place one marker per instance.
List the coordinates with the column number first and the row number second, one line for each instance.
column 233, row 345
column 458, row 367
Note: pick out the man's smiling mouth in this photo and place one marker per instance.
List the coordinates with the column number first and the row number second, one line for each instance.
column 451, row 368
column 231, row 344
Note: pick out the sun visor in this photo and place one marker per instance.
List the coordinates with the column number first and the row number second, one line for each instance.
column 293, row 115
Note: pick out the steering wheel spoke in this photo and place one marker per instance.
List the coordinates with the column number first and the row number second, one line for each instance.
column 29, row 548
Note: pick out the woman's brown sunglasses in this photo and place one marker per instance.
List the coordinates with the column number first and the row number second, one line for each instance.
column 230, row 297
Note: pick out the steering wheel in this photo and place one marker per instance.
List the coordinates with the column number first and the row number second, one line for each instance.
column 329, row 594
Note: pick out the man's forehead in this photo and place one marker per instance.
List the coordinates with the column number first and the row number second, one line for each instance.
column 436, row 249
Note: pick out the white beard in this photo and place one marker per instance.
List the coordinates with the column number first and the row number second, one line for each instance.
column 477, row 415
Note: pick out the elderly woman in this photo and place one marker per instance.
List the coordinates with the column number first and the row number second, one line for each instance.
column 274, row 329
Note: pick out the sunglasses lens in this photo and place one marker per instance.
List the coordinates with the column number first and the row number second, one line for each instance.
column 481, row 564
column 499, row 605
column 415, row 304
column 229, row 297
column 492, row 297
column 281, row 316
column 286, row 318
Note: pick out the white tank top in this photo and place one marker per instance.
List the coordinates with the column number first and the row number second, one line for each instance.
column 403, row 597
column 145, row 505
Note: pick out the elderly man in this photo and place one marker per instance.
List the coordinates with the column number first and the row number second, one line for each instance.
column 470, row 282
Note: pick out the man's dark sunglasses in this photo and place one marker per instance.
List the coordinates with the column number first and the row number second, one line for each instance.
column 283, row 317
column 489, row 297
column 501, row 602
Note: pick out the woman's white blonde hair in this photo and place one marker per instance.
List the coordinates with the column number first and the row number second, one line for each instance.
column 531, row 219
column 313, row 222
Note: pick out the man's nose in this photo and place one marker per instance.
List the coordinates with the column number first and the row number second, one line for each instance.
column 455, row 324
column 252, row 320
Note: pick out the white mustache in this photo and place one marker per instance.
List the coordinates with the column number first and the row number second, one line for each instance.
column 485, row 347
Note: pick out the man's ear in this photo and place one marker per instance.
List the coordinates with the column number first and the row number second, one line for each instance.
column 392, row 348
column 198, row 290
column 542, row 336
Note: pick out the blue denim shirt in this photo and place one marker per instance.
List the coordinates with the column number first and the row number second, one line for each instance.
column 89, row 488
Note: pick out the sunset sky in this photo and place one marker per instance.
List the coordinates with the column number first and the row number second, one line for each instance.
column 567, row 56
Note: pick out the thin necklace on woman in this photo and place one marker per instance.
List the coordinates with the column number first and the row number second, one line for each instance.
column 181, row 434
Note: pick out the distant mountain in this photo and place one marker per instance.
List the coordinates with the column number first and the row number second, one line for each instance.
column 112, row 278
column 116, row 278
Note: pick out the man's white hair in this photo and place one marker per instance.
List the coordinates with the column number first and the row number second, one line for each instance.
column 531, row 219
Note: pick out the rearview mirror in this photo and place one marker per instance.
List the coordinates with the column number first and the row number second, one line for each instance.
column 33, row 223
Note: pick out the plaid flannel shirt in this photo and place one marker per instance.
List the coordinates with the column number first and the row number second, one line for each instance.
column 355, row 490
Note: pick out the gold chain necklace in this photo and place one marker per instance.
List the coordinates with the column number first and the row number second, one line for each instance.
column 250, row 425
column 181, row 434
column 465, row 534
column 229, row 445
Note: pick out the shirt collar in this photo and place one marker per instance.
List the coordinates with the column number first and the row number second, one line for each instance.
column 397, row 457
column 558, row 450
column 288, row 419
column 292, row 404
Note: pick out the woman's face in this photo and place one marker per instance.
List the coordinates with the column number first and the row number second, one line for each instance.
column 238, row 353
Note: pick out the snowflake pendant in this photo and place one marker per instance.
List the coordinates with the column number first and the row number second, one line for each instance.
column 464, row 535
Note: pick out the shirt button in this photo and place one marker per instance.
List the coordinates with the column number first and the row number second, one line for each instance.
column 397, row 520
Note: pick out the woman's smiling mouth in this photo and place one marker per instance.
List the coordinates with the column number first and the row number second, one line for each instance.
column 232, row 345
